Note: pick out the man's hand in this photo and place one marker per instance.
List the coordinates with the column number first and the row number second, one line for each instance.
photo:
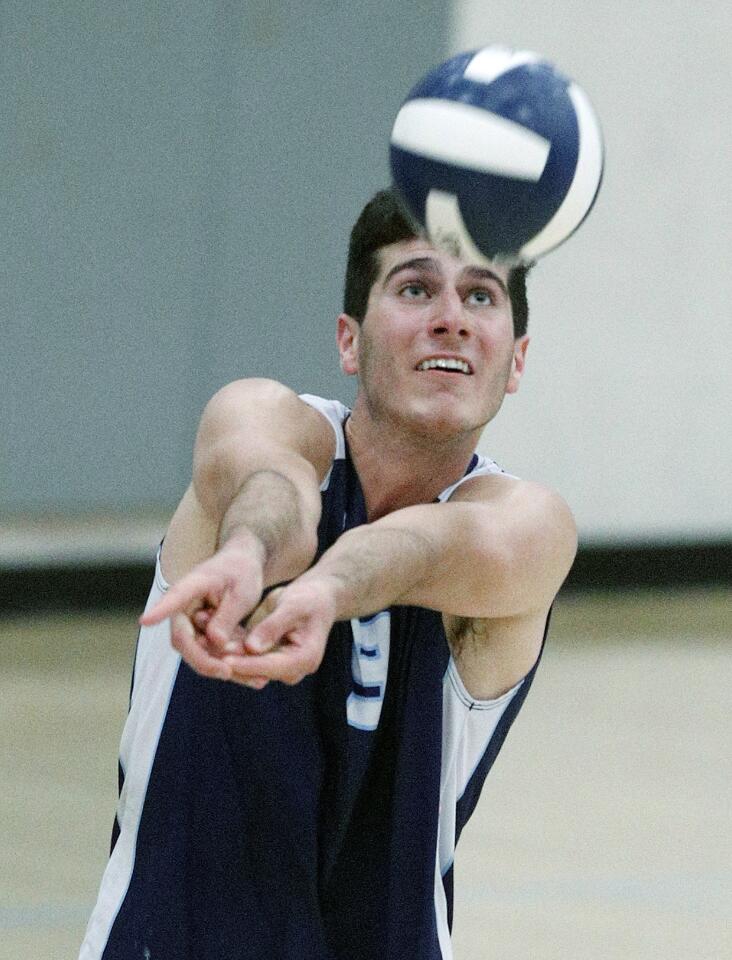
column 207, row 606
column 286, row 635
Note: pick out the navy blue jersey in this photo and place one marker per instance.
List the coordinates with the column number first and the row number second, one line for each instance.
column 313, row 822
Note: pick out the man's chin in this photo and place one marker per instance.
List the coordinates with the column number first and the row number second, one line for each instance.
column 446, row 421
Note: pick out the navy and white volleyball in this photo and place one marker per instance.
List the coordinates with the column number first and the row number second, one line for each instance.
column 497, row 155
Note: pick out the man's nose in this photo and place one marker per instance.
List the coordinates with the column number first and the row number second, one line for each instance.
column 449, row 316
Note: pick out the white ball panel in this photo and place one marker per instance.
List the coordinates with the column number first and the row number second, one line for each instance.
column 470, row 137
column 491, row 62
column 446, row 228
column 584, row 185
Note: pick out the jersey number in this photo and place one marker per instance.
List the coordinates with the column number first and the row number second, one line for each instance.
column 369, row 666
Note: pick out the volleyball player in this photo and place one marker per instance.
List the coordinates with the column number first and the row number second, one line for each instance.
column 357, row 603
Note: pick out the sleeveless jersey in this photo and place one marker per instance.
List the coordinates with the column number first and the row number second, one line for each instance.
column 312, row 822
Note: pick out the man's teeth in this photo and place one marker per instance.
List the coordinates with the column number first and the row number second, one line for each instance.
column 444, row 363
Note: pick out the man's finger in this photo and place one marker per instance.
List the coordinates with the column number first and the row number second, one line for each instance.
column 201, row 618
column 265, row 608
column 178, row 598
column 224, row 625
column 254, row 683
column 288, row 664
column 183, row 638
column 268, row 665
column 270, row 630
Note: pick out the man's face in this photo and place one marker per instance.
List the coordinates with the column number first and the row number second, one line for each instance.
column 435, row 352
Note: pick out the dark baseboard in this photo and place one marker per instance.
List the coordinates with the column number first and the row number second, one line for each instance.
column 74, row 588
column 126, row 586
column 650, row 565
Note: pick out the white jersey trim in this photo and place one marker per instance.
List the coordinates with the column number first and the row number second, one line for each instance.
column 443, row 927
column 483, row 468
column 335, row 413
column 467, row 728
column 156, row 669
column 470, row 702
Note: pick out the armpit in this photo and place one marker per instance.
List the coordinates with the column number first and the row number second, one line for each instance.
column 464, row 631
column 492, row 656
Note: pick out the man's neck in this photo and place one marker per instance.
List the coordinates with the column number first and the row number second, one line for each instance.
column 399, row 469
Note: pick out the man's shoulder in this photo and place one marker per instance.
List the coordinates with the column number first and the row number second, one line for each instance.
column 261, row 396
column 496, row 485
column 263, row 390
column 267, row 393
column 536, row 514
column 258, row 406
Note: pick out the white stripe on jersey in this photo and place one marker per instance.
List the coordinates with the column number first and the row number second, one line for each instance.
column 443, row 927
column 335, row 413
column 156, row 668
column 467, row 728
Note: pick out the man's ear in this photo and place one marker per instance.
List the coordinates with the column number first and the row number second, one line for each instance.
column 347, row 339
column 518, row 362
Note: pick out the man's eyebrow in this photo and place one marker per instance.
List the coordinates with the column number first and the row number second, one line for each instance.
column 430, row 266
column 424, row 263
column 485, row 273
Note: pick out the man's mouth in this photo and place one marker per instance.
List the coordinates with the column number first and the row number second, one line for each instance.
column 451, row 364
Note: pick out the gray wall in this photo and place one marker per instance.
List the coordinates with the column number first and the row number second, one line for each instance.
column 625, row 406
column 177, row 183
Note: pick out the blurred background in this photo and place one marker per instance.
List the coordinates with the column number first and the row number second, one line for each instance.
column 177, row 185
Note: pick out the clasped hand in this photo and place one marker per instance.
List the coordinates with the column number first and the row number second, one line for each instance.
column 222, row 628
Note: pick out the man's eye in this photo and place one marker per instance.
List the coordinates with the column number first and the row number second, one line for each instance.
column 414, row 291
column 480, row 297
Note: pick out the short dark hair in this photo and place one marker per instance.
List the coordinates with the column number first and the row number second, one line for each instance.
column 382, row 221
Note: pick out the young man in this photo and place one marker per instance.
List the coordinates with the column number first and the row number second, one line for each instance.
column 316, row 818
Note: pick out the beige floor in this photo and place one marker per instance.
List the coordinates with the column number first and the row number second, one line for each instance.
column 604, row 831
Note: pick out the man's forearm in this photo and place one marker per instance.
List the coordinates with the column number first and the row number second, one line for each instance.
column 282, row 518
column 372, row 567
column 492, row 559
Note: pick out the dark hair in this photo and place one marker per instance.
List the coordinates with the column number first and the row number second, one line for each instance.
column 382, row 221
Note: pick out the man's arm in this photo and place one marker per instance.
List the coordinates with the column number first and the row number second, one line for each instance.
column 499, row 548
column 249, row 518
column 496, row 554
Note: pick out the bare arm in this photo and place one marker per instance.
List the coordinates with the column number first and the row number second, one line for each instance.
column 500, row 548
column 496, row 553
column 249, row 518
column 259, row 455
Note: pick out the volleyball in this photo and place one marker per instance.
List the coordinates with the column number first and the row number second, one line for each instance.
column 497, row 155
